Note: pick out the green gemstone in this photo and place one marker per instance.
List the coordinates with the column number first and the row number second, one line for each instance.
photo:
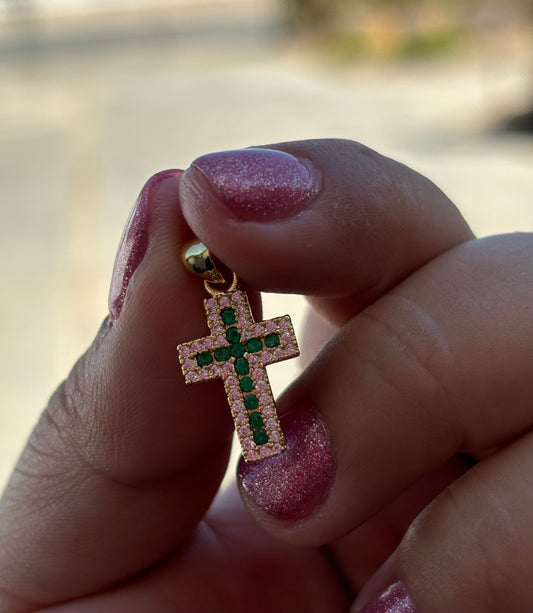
column 256, row 420
column 246, row 384
column 242, row 367
column 260, row 437
column 228, row 316
column 272, row 340
column 233, row 335
column 237, row 350
column 222, row 354
column 251, row 402
column 254, row 345
column 204, row 359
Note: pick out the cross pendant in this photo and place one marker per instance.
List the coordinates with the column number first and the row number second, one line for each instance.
column 238, row 351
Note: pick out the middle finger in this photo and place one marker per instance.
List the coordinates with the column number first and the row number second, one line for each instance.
column 415, row 378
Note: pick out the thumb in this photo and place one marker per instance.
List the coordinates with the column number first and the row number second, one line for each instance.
column 125, row 459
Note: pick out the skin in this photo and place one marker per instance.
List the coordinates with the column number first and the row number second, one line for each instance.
column 112, row 505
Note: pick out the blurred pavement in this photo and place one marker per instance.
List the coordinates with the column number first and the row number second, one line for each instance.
column 84, row 125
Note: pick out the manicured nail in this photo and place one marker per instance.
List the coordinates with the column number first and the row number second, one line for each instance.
column 256, row 184
column 394, row 599
column 293, row 484
column 133, row 243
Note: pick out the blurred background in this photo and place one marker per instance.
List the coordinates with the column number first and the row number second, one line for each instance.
column 96, row 96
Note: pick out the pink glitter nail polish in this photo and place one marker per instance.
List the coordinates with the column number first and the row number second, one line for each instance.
column 255, row 184
column 292, row 485
column 133, row 243
column 394, row 599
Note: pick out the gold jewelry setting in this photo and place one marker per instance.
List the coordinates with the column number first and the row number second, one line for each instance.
column 238, row 351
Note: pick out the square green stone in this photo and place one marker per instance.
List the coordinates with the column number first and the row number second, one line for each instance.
column 233, row 335
column 251, row 402
column 254, row 345
column 222, row 354
column 228, row 316
column 256, row 420
column 204, row 358
column 246, row 384
column 242, row 367
column 260, row 437
column 237, row 350
column 272, row 340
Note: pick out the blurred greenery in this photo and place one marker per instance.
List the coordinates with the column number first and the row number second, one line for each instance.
column 345, row 47
column 346, row 30
column 349, row 29
column 433, row 42
column 313, row 13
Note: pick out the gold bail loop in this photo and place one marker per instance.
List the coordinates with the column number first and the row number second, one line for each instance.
column 198, row 260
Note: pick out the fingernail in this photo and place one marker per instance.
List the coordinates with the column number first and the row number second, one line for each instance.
column 256, row 184
column 394, row 599
column 293, row 484
column 133, row 243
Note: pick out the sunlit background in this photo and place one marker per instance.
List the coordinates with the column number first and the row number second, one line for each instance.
column 96, row 96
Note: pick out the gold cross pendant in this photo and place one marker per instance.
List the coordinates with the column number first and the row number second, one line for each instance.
column 238, row 351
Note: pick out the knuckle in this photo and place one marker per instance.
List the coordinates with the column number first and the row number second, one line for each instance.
column 415, row 359
column 64, row 441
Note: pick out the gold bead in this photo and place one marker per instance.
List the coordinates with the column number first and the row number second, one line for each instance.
column 197, row 259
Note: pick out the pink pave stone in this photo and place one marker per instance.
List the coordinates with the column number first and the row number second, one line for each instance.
column 274, row 436
column 185, row 352
column 286, row 337
column 264, row 398
column 251, row 455
column 191, row 376
column 196, row 346
column 236, row 297
column 217, row 371
column 278, row 448
column 258, row 374
column 241, row 309
column 279, row 353
column 270, row 326
column 241, row 419
column 209, row 343
column 264, row 452
column 211, row 304
column 228, row 368
column 261, row 386
column 271, row 423
column 258, row 330
column 253, row 359
column 269, row 412
column 292, row 349
column 284, row 325
column 232, row 381
column 221, row 340
column 242, row 322
column 224, row 301
column 218, row 330
column 246, row 443
column 265, row 355
column 189, row 364
column 234, row 394
column 244, row 431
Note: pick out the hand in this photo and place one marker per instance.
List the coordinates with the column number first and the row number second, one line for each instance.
column 107, row 508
